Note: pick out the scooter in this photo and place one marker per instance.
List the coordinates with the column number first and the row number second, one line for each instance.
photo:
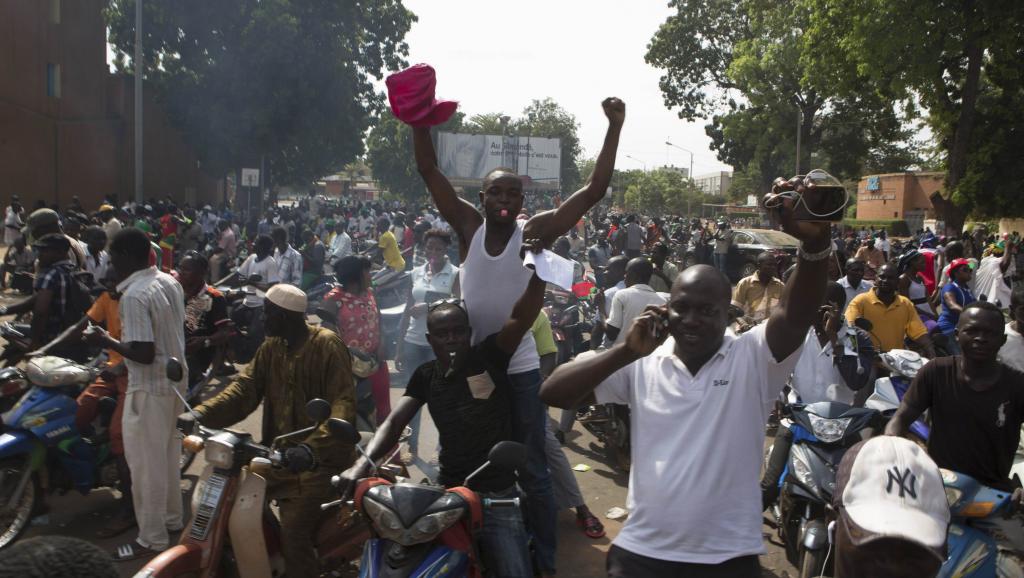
column 232, row 525
column 42, row 449
column 903, row 366
column 822, row 432
column 972, row 552
column 422, row 530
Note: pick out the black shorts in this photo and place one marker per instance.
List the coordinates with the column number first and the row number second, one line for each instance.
column 625, row 564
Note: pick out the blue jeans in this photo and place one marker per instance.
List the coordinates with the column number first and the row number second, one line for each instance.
column 503, row 541
column 529, row 422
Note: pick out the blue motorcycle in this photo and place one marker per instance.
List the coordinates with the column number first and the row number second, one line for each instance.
column 972, row 552
column 41, row 448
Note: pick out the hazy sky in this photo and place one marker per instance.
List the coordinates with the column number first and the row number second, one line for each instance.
column 497, row 57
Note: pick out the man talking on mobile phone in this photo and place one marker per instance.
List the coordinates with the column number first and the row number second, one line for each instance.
column 699, row 401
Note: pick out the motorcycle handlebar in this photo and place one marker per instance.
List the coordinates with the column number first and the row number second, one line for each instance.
column 501, row 502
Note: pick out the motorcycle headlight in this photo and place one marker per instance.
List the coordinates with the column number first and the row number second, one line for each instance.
column 385, row 521
column 429, row 526
column 219, row 454
column 829, row 430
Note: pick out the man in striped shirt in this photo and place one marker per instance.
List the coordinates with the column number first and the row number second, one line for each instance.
column 152, row 311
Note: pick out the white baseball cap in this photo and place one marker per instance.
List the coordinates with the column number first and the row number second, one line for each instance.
column 888, row 487
column 288, row 297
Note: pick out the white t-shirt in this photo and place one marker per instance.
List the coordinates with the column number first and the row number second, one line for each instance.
column 816, row 377
column 628, row 304
column 988, row 281
column 267, row 269
column 697, row 445
column 1012, row 352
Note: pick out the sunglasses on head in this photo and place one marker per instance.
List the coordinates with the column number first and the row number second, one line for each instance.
column 447, row 301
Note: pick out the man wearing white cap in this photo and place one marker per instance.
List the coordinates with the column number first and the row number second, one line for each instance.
column 893, row 513
column 298, row 362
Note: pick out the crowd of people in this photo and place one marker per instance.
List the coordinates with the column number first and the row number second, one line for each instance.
column 700, row 363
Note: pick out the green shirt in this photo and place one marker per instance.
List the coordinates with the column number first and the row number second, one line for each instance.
column 285, row 381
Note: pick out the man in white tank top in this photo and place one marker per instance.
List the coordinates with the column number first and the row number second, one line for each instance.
column 492, row 277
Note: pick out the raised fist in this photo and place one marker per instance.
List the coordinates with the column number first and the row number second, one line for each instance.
column 614, row 109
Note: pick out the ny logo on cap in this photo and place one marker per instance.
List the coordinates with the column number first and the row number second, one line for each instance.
column 905, row 480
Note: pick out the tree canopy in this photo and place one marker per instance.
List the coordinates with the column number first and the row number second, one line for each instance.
column 290, row 80
column 741, row 65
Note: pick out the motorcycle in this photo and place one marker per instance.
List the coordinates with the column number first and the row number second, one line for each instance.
column 422, row 530
column 822, row 432
column 42, row 449
column 232, row 530
column 903, row 365
column 247, row 321
column 609, row 423
column 972, row 552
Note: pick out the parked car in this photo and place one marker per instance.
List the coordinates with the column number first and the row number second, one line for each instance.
column 747, row 245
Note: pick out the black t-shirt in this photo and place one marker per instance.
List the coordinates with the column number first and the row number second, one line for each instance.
column 472, row 412
column 973, row 432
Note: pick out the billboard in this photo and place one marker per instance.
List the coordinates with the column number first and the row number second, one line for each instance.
column 472, row 156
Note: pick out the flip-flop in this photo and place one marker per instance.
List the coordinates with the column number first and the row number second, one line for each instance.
column 133, row 551
column 592, row 527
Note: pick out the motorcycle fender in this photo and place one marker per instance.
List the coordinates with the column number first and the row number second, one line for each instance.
column 815, row 535
column 245, row 525
column 20, row 442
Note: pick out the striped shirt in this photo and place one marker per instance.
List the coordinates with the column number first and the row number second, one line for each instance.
column 289, row 266
column 152, row 310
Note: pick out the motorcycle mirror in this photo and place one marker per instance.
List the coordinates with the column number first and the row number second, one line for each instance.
column 175, row 370
column 343, row 430
column 863, row 323
column 508, row 454
column 318, row 410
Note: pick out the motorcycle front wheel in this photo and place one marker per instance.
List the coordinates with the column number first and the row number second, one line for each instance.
column 14, row 520
column 811, row 563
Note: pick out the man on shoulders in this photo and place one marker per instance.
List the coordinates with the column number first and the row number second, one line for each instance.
column 893, row 317
column 683, row 521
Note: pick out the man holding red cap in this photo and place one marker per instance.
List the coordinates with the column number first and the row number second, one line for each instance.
column 492, row 278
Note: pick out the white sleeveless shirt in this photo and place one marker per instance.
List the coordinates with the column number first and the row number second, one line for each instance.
column 490, row 288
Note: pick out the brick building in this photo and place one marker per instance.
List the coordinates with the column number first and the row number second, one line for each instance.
column 902, row 196
column 66, row 122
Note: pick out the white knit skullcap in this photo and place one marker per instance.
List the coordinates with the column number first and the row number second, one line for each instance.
column 287, row 297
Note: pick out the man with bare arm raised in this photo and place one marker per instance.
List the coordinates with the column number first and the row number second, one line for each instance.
column 492, row 277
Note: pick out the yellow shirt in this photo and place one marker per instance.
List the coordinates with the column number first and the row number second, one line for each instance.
column 890, row 323
column 757, row 299
column 542, row 335
column 389, row 247
column 104, row 310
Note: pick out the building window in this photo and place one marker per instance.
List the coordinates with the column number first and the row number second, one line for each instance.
column 895, row 215
column 55, row 11
column 53, row 80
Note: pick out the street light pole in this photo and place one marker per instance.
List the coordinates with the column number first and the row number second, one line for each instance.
column 690, row 175
column 799, row 115
column 642, row 163
column 138, row 101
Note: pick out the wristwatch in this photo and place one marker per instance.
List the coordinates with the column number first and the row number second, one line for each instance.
column 206, row 342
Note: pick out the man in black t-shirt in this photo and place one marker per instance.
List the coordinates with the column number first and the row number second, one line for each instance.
column 977, row 408
column 466, row 390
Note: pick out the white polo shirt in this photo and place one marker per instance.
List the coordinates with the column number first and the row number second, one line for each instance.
column 629, row 303
column 697, row 445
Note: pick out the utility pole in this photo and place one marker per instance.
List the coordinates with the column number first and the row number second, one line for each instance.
column 799, row 115
column 138, row 101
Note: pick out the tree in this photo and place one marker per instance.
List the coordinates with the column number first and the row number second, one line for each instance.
column 662, row 191
column 288, row 80
column 962, row 57
column 390, row 155
column 741, row 63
